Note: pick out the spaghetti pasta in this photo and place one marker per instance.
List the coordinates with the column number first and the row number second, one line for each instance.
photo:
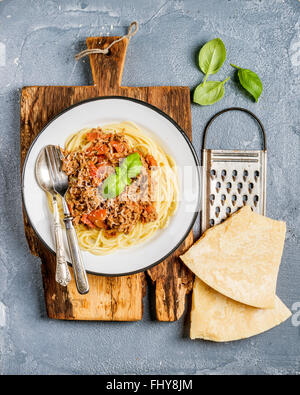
column 165, row 199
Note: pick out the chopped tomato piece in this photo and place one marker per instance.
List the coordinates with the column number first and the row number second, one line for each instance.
column 98, row 148
column 119, row 147
column 151, row 161
column 101, row 148
column 97, row 217
column 86, row 221
column 101, row 158
column 150, row 208
column 89, row 150
column 91, row 136
column 99, row 214
column 93, row 169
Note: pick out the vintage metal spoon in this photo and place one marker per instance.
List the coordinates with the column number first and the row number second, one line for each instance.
column 62, row 275
column 61, row 185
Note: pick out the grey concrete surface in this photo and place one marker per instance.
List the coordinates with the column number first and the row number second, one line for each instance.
column 38, row 41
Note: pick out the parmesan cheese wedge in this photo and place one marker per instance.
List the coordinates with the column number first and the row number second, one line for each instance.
column 217, row 318
column 240, row 258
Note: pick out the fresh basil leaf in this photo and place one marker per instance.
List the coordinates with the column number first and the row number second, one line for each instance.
column 115, row 184
column 126, row 177
column 212, row 56
column 132, row 165
column 250, row 81
column 209, row 93
column 109, row 187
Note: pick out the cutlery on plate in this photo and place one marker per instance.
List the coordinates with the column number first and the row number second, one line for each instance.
column 62, row 275
column 60, row 186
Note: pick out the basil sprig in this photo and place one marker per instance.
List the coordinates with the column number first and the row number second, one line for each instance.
column 250, row 81
column 210, row 92
column 211, row 57
column 115, row 184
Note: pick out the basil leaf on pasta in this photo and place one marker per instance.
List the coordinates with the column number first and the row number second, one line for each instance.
column 132, row 165
column 115, row 184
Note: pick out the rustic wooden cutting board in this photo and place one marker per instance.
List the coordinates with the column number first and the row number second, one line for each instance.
column 110, row 298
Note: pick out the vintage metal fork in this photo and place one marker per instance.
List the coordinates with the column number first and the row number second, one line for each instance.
column 60, row 185
column 42, row 173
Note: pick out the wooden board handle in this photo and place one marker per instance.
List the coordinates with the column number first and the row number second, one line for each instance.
column 107, row 69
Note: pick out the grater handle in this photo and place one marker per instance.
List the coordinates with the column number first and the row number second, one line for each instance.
column 235, row 109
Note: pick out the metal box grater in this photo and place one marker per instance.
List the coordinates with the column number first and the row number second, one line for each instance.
column 232, row 178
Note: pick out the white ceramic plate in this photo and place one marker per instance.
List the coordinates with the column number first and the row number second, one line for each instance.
column 154, row 122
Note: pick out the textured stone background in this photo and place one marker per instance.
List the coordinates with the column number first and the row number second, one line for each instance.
column 38, row 41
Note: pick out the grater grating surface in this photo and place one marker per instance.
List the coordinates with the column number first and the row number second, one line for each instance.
column 231, row 179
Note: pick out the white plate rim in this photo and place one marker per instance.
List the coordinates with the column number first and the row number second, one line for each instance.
column 180, row 130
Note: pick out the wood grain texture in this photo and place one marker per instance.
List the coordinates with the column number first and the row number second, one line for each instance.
column 110, row 298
